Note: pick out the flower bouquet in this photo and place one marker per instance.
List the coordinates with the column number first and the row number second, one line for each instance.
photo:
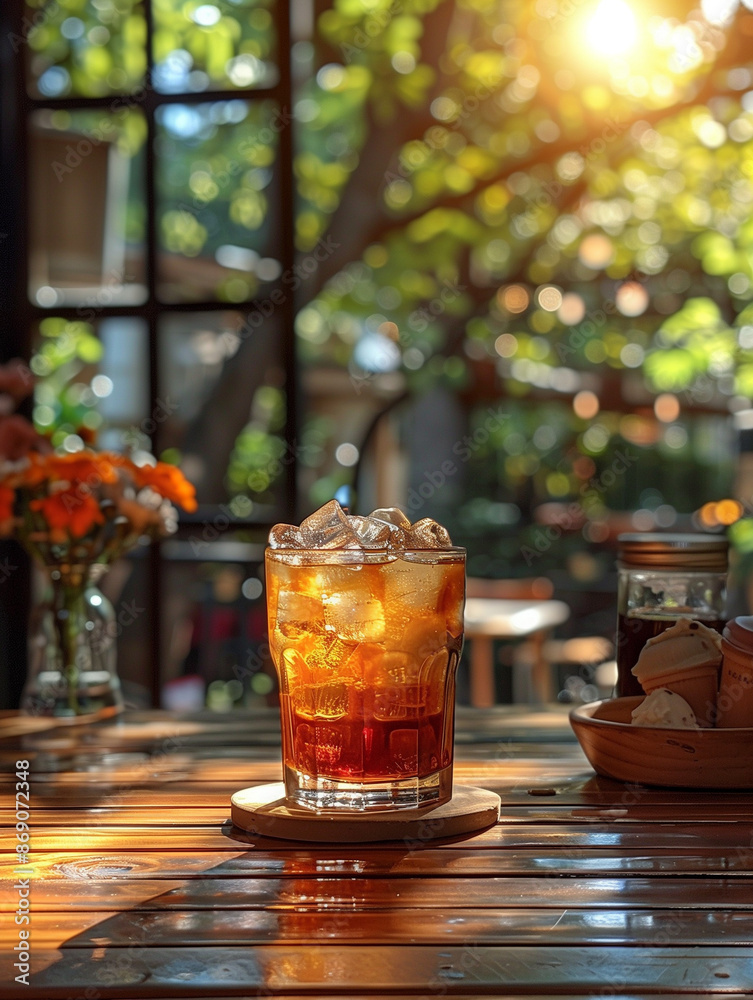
column 75, row 513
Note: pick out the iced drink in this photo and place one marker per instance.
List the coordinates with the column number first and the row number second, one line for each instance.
column 366, row 626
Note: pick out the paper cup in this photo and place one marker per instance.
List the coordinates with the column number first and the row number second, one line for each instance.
column 735, row 703
column 697, row 685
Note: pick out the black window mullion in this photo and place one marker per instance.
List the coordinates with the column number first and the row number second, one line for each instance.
column 15, row 324
column 287, row 224
column 152, row 315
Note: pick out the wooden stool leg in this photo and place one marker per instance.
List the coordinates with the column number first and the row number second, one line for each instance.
column 482, row 671
column 541, row 674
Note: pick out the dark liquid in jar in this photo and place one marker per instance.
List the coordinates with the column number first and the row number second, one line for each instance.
column 634, row 631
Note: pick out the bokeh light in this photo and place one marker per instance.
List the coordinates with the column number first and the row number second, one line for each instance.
column 667, row 407
column 550, row 298
column 631, row 299
column 596, row 251
column 586, row 404
column 506, row 345
column 572, row 309
column 728, row 511
column 514, row 298
column 347, row 454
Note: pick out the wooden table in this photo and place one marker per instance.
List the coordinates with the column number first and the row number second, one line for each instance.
column 490, row 618
column 141, row 888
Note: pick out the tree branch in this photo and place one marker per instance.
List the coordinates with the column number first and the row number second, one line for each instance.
column 362, row 205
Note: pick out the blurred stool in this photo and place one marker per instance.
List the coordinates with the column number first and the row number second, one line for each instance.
column 509, row 609
column 591, row 651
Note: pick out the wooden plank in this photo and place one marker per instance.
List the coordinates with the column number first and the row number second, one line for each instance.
column 531, row 826
column 227, row 837
column 186, row 815
column 178, row 972
column 438, row 863
column 197, row 928
column 202, row 762
column 586, row 824
column 355, row 894
column 139, row 786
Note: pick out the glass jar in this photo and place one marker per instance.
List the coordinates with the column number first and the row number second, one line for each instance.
column 662, row 578
column 72, row 656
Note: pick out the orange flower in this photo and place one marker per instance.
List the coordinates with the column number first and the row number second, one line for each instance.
column 168, row 481
column 69, row 513
column 87, row 469
column 142, row 519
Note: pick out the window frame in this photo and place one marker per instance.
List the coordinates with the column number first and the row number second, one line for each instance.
column 20, row 316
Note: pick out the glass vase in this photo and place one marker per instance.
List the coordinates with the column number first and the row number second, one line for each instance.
column 72, row 652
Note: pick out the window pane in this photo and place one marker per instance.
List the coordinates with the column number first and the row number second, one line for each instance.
column 217, row 186
column 92, row 382
column 213, row 46
column 85, row 49
column 222, row 388
column 126, row 584
column 86, row 204
column 214, row 624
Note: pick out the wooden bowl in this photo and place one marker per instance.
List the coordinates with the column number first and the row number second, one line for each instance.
column 675, row 758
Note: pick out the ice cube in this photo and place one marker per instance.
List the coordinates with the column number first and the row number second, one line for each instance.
column 285, row 536
column 333, row 655
column 375, row 534
column 329, row 528
column 428, row 534
column 294, row 670
column 295, row 608
column 398, row 692
column 355, row 618
column 428, row 751
column 392, row 515
column 403, row 748
column 416, row 585
column 327, row 700
column 317, row 748
column 423, row 635
column 434, row 677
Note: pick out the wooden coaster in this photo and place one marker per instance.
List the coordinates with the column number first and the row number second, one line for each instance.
column 263, row 810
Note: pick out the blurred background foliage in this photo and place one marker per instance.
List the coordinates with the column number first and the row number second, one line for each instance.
column 537, row 204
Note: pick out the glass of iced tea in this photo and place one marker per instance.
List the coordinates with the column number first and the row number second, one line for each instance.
column 366, row 627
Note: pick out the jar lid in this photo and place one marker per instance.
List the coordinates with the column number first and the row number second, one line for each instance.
column 668, row 551
column 739, row 632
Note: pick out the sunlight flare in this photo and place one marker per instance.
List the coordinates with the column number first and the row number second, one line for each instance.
column 612, row 29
